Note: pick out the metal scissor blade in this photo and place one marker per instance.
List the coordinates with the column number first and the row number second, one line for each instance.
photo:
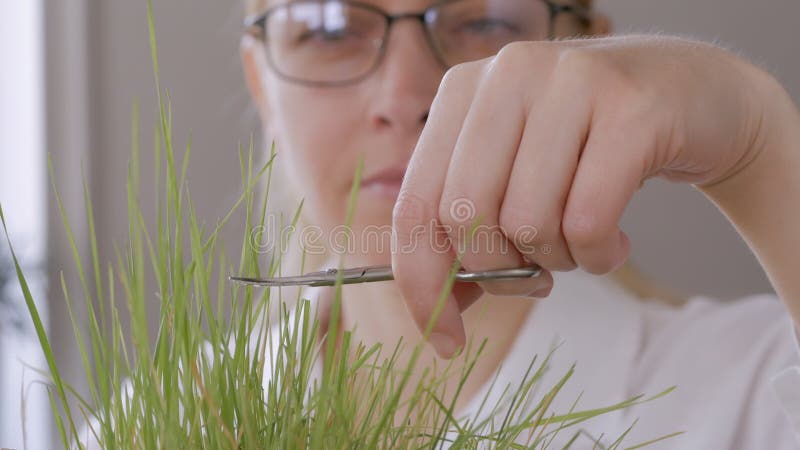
column 322, row 278
column 381, row 273
column 272, row 282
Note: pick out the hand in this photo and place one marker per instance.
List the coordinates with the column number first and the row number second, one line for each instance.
column 545, row 144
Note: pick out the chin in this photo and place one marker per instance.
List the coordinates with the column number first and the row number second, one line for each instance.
column 372, row 236
column 371, row 230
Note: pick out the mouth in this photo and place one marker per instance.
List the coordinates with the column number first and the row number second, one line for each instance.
column 386, row 183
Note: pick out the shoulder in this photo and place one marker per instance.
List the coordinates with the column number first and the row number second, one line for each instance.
column 717, row 333
column 722, row 356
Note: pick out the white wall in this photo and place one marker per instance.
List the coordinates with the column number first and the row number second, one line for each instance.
column 22, row 186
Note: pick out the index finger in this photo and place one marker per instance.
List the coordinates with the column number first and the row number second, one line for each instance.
column 421, row 258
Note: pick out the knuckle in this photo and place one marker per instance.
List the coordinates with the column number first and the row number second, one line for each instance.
column 520, row 224
column 457, row 209
column 574, row 57
column 537, row 236
column 510, row 56
column 632, row 94
column 639, row 101
column 581, row 61
column 523, row 50
column 582, row 230
column 444, row 212
column 588, row 70
column 457, row 76
column 410, row 210
column 599, row 70
column 517, row 57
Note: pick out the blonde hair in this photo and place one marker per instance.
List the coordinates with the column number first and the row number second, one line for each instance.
column 252, row 7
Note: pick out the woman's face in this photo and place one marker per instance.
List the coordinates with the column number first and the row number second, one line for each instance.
column 322, row 132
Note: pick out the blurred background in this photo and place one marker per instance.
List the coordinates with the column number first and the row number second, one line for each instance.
column 72, row 70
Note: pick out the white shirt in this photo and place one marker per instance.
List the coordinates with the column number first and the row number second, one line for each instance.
column 736, row 366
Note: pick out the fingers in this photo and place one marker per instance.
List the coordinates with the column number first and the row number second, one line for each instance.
column 421, row 257
column 575, row 172
column 543, row 171
column 478, row 174
column 526, row 154
column 610, row 171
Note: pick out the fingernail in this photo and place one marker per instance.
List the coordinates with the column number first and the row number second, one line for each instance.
column 541, row 292
column 444, row 345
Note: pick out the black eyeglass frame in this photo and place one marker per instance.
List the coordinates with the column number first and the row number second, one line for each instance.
column 257, row 27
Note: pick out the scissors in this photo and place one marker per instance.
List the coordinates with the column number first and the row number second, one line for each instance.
column 369, row 274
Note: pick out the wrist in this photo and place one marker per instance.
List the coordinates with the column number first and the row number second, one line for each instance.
column 769, row 164
column 760, row 197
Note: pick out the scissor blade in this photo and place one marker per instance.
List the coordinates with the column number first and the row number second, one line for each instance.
column 272, row 282
column 380, row 273
column 323, row 278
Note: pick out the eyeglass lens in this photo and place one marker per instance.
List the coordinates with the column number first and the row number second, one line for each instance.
column 328, row 41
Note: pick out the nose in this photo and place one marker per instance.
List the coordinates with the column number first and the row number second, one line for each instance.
column 406, row 81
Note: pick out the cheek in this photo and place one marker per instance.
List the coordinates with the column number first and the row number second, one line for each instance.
column 317, row 131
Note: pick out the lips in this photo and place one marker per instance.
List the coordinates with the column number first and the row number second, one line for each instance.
column 385, row 183
column 390, row 175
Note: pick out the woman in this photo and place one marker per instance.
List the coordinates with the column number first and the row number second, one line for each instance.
column 469, row 110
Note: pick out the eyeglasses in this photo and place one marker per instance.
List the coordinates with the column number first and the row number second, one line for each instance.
column 338, row 42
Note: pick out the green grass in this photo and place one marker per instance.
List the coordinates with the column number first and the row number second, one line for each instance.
column 198, row 382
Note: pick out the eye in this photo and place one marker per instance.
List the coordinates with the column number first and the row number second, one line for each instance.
column 326, row 35
column 488, row 25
